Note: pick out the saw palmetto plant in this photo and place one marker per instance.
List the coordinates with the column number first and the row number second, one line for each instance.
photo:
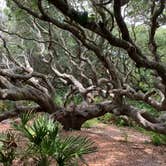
column 47, row 145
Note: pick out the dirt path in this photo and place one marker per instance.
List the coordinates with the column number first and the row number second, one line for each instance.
column 123, row 147
column 119, row 147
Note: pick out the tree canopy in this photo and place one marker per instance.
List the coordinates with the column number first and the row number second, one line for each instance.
column 81, row 59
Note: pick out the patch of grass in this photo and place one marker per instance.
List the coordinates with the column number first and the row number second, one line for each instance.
column 120, row 122
column 58, row 100
column 91, row 123
column 158, row 139
column 106, row 118
column 109, row 118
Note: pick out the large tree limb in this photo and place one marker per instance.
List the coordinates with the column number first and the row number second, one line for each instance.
column 10, row 92
column 141, row 118
column 132, row 94
column 71, row 117
column 17, row 111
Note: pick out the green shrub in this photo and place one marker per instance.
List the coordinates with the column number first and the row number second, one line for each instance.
column 158, row 139
column 120, row 122
column 58, row 100
column 107, row 118
column 90, row 123
column 45, row 143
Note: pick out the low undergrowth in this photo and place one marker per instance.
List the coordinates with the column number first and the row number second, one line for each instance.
column 43, row 143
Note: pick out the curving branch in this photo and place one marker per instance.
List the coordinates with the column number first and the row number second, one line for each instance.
column 139, row 96
column 145, row 119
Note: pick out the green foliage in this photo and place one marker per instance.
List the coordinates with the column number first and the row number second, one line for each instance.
column 91, row 17
column 2, row 106
column 142, row 105
column 25, row 118
column 91, row 123
column 161, row 42
column 143, row 78
column 7, row 149
column 98, row 99
column 58, row 100
column 6, row 105
column 45, row 143
column 106, row 118
column 7, row 156
column 71, row 148
column 158, row 139
column 142, row 37
column 120, row 122
column 77, row 99
column 112, row 119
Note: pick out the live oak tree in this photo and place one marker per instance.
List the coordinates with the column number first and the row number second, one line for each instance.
column 98, row 50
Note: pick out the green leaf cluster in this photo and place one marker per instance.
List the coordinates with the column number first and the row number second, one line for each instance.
column 46, row 143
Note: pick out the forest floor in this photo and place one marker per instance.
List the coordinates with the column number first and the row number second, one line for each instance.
column 118, row 146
